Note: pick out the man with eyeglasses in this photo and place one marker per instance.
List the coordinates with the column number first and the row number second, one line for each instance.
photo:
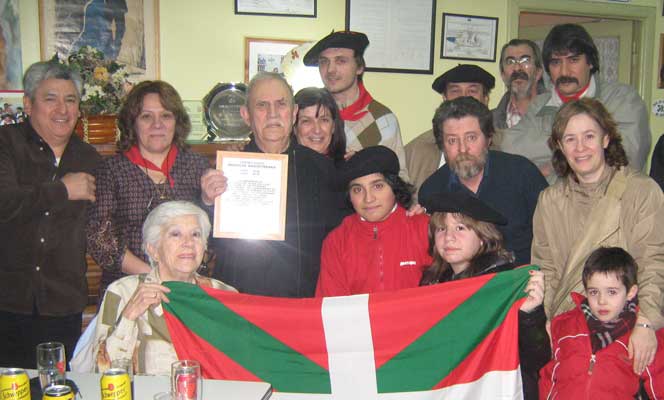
column 572, row 61
column 509, row 183
column 521, row 70
column 423, row 155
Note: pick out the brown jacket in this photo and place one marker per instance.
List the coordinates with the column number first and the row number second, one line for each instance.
column 626, row 210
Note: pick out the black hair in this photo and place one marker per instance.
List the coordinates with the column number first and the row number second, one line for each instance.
column 313, row 96
column 403, row 191
column 458, row 108
column 571, row 38
column 611, row 260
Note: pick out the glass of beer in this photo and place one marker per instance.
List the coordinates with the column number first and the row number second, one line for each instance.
column 186, row 380
column 51, row 364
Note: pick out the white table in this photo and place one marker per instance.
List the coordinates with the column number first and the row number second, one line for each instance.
column 145, row 387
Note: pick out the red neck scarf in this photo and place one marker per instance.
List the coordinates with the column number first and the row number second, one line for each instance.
column 575, row 96
column 134, row 155
column 355, row 111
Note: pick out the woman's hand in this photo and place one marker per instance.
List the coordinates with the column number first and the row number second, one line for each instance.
column 642, row 346
column 145, row 296
column 535, row 290
column 213, row 184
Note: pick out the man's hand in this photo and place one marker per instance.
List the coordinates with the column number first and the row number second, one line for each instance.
column 213, row 184
column 80, row 186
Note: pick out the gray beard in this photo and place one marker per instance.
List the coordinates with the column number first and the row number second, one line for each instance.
column 468, row 166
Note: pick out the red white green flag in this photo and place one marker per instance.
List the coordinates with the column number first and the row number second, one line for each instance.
column 456, row 340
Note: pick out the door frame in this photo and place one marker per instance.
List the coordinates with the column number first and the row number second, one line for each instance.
column 641, row 13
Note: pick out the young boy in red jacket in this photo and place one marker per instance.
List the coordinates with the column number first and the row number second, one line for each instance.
column 590, row 343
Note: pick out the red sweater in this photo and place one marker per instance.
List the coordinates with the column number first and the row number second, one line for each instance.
column 569, row 374
column 364, row 257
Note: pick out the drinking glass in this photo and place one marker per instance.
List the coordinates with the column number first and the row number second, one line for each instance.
column 186, row 380
column 51, row 364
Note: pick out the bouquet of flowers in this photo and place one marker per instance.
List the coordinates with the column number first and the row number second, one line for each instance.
column 104, row 81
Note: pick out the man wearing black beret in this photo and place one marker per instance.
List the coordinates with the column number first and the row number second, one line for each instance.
column 379, row 247
column 423, row 155
column 340, row 60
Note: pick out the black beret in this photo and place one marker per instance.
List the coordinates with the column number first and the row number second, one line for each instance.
column 370, row 160
column 464, row 73
column 462, row 203
column 357, row 41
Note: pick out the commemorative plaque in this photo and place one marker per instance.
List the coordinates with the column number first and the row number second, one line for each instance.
column 222, row 112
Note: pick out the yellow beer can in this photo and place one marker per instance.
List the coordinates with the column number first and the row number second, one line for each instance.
column 115, row 385
column 14, row 384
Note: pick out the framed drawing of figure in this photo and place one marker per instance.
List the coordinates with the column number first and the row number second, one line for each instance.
column 124, row 30
column 11, row 67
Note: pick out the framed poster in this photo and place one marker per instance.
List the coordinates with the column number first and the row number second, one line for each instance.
column 11, row 65
column 11, row 107
column 280, row 8
column 265, row 55
column 254, row 203
column 469, row 37
column 401, row 33
column 124, row 30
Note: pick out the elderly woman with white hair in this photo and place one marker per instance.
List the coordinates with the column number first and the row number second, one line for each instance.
column 130, row 323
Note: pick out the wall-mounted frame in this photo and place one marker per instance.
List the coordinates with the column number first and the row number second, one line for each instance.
column 129, row 35
column 261, row 54
column 401, row 33
column 11, row 66
column 660, row 84
column 469, row 37
column 14, row 100
column 278, row 8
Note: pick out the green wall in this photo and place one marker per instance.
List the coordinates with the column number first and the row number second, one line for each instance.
column 202, row 43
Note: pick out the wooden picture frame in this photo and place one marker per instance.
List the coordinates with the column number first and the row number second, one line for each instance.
column 262, row 54
column 660, row 80
column 277, row 8
column 469, row 37
column 401, row 33
column 63, row 29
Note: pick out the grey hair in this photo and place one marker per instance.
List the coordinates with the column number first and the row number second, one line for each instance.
column 266, row 76
column 163, row 214
column 43, row 70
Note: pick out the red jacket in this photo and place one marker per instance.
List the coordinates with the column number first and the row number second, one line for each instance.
column 364, row 257
column 569, row 375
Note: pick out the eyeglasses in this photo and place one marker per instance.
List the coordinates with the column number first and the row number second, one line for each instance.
column 524, row 61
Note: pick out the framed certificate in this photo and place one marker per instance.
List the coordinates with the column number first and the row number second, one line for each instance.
column 254, row 203
column 469, row 37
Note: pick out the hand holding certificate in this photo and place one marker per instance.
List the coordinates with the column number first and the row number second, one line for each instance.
column 254, row 203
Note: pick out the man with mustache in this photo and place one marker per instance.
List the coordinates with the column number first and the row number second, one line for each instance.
column 572, row 61
column 339, row 57
column 287, row 268
column 521, row 70
column 423, row 155
column 509, row 183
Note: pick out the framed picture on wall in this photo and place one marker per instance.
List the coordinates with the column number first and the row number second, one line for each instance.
column 469, row 37
column 11, row 65
column 11, row 106
column 661, row 62
column 279, row 8
column 401, row 33
column 126, row 31
column 265, row 54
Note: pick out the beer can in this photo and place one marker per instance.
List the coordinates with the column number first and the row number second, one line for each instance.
column 115, row 385
column 14, row 384
column 58, row 392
